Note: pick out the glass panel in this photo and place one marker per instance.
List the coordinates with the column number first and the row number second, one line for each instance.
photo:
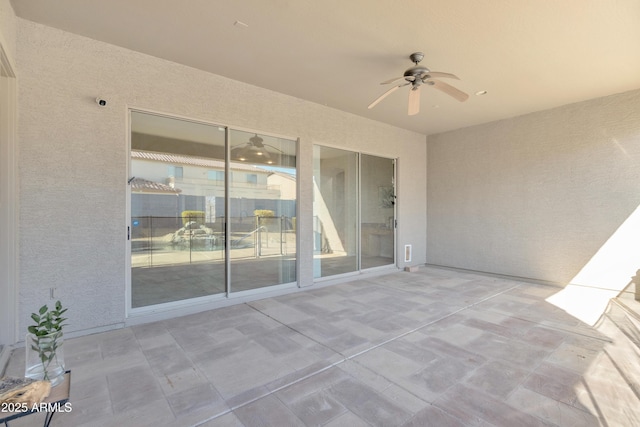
column 177, row 210
column 335, row 216
column 377, row 211
column 262, row 211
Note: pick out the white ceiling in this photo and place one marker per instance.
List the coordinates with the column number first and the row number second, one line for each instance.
column 528, row 55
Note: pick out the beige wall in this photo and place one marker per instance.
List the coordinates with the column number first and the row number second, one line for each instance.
column 534, row 196
column 73, row 160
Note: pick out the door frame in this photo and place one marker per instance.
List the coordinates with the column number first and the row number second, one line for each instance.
column 8, row 206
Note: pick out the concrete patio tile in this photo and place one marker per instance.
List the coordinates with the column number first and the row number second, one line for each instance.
column 442, row 322
column 311, row 385
column 322, row 352
column 167, row 359
column 227, row 420
column 196, row 398
column 92, row 387
column 348, row 344
column 148, row 342
column 365, row 375
column 473, row 407
column 149, row 413
column 198, row 339
column 301, row 375
column 83, row 350
column 247, row 396
column 432, row 416
column 299, row 360
column 368, row 404
column 548, row 315
column 498, row 378
column 253, row 328
column 267, row 412
column 441, row 373
column 495, row 328
column 133, row 387
column 511, row 350
column 446, row 349
column 118, row 343
column 317, row 331
column 456, row 334
column 545, row 337
column 389, row 364
column 573, row 357
column 554, row 382
column 348, row 419
column 105, row 367
column 412, row 350
column 550, row 410
column 279, row 311
column 181, row 380
column 362, row 330
column 150, row 330
column 317, row 409
column 404, row 398
column 247, row 374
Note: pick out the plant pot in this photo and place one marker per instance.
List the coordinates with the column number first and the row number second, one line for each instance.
column 44, row 356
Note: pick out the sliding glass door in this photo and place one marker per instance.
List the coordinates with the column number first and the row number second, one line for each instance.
column 335, row 210
column 177, row 209
column 262, row 211
column 354, row 211
column 213, row 210
column 377, row 217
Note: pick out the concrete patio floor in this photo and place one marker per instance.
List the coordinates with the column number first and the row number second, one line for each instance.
column 434, row 347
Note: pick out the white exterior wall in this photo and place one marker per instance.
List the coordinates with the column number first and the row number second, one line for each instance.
column 74, row 154
column 535, row 196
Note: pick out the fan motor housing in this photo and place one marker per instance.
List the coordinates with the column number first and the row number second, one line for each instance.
column 415, row 72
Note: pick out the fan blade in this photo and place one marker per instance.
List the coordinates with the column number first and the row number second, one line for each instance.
column 384, row 95
column 414, row 101
column 432, row 74
column 449, row 90
column 394, row 80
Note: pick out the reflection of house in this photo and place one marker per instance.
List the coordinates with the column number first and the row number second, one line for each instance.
column 198, row 184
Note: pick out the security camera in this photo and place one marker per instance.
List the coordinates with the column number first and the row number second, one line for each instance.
column 101, row 102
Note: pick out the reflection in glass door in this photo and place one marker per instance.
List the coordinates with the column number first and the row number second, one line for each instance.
column 377, row 211
column 335, row 211
column 262, row 211
column 177, row 209
column 213, row 210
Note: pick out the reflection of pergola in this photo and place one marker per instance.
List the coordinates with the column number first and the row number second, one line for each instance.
column 141, row 185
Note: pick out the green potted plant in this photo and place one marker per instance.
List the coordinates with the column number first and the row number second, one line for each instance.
column 44, row 345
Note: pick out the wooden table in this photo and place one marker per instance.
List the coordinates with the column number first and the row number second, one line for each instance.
column 57, row 401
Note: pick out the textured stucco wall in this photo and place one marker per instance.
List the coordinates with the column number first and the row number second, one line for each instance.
column 73, row 160
column 537, row 195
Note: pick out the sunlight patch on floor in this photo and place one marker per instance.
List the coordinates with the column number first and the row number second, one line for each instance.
column 606, row 274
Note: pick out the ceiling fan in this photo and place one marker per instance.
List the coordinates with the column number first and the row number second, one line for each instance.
column 254, row 151
column 416, row 76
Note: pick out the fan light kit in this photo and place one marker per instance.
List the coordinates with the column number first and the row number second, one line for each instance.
column 416, row 76
column 254, row 151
